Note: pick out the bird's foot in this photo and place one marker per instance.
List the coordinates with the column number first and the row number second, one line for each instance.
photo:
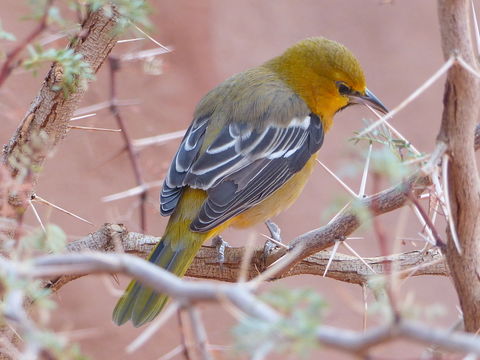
column 275, row 231
column 220, row 244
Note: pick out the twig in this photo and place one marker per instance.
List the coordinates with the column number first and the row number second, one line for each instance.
column 114, row 64
column 182, row 328
column 438, row 240
column 8, row 65
column 152, row 328
column 199, row 332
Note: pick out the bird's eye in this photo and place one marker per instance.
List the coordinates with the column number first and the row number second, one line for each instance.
column 343, row 88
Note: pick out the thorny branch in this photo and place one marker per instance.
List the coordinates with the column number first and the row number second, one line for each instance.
column 311, row 259
column 51, row 110
column 114, row 64
column 460, row 115
column 239, row 295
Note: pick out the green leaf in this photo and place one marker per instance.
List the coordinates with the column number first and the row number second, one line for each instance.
column 75, row 69
column 4, row 35
column 53, row 239
column 302, row 312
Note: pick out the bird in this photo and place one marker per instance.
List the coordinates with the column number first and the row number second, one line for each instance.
column 247, row 154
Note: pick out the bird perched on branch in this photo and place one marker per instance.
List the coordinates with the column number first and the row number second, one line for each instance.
column 248, row 154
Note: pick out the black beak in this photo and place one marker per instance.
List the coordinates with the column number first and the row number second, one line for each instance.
column 368, row 99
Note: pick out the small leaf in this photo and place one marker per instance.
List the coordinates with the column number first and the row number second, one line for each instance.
column 4, row 35
column 53, row 239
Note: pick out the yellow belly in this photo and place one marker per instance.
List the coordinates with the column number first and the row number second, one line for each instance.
column 278, row 201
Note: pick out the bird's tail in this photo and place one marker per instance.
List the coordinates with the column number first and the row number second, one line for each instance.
column 141, row 304
column 175, row 253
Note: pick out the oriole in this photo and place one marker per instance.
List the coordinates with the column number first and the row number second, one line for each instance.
column 248, row 154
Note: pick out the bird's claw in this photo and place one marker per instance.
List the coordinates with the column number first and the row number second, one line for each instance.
column 275, row 231
column 220, row 244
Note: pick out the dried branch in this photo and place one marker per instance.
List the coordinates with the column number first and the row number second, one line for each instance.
column 114, row 64
column 310, row 259
column 343, row 267
column 239, row 295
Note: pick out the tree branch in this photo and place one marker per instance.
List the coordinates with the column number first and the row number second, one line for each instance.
column 310, row 261
column 51, row 110
column 461, row 112
column 343, row 267
column 239, row 295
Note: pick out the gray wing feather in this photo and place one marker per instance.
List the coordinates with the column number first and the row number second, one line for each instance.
column 247, row 178
column 180, row 166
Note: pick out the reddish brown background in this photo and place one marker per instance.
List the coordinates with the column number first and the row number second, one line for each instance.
column 397, row 42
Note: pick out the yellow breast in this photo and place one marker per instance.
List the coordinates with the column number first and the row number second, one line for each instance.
column 278, row 201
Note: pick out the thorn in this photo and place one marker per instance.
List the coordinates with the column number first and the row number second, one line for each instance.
column 345, row 186
column 75, row 127
column 468, row 67
column 137, row 190
column 443, row 69
column 143, row 54
column 475, row 24
column 365, row 302
column 275, row 231
column 38, row 199
column 37, row 216
column 358, row 256
column 332, row 255
column 339, row 213
column 429, row 238
column 130, row 40
column 276, row 242
column 451, row 224
column 151, row 38
column 82, row 116
column 275, row 267
column 158, row 139
column 363, row 183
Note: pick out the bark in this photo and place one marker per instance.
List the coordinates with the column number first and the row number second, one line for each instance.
column 461, row 111
column 46, row 121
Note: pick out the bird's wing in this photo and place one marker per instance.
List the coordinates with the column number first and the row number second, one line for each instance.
column 181, row 164
column 241, row 151
column 243, row 166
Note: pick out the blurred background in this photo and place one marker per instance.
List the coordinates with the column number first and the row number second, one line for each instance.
column 397, row 42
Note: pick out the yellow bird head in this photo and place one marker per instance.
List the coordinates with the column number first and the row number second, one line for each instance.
column 326, row 75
